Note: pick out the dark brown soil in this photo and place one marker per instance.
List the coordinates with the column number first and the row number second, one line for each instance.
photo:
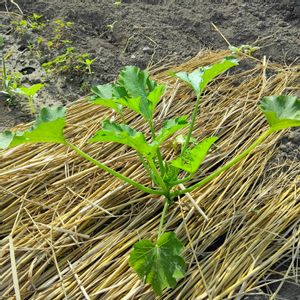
column 144, row 33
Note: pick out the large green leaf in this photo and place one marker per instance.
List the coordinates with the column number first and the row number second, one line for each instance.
column 123, row 134
column 192, row 158
column 159, row 264
column 136, row 82
column 199, row 78
column 134, row 89
column 138, row 85
column 281, row 111
column 48, row 128
column 170, row 127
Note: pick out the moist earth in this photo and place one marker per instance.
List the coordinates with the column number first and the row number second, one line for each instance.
column 143, row 33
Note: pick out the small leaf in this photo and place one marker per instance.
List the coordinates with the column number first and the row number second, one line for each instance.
column 134, row 89
column 107, row 103
column 281, row 111
column 199, row 78
column 29, row 91
column 123, row 134
column 48, row 128
column 171, row 173
column 48, row 114
column 170, row 127
column 155, row 95
column 191, row 159
column 159, row 264
column 132, row 103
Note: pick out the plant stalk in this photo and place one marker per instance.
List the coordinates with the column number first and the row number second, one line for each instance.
column 225, row 167
column 183, row 180
column 31, row 105
column 113, row 172
column 158, row 177
column 162, row 218
column 4, row 75
column 159, row 157
column 145, row 165
column 194, row 115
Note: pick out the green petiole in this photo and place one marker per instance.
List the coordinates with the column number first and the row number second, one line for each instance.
column 162, row 218
column 113, row 172
column 159, row 157
column 158, row 177
column 191, row 127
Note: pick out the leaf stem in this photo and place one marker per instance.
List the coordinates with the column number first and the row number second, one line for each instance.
column 31, row 105
column 225, row 167
column 145, row 165
column 194, row 115
column 158, row 177
column 113, row 172
column 159, row 157
column 183, row 180
column 4, row 75
column 162, row 218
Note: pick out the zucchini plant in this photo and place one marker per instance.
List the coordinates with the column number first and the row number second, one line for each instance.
column 158, row 262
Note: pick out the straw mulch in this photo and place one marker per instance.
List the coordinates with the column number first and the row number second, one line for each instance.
column 67, row 227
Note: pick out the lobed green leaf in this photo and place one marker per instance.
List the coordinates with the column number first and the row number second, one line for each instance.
column 134, row 89
column 105, row 95
column 48, row 128
column 199, row 78
column 159, row 264
column 123, row 134
column 136, row 82
column 192, row 158
column 281, row 111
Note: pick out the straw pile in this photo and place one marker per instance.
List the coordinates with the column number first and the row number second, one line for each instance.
column 67, row 227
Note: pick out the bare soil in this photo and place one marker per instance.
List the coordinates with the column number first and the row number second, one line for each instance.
column 144, row 33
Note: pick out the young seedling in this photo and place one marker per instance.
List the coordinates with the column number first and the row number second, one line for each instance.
column 111, row 26
column 88, row 62
column 30, row 93
column 158, row 262
column 117, row 3
column 10, row 82
column 246, row 49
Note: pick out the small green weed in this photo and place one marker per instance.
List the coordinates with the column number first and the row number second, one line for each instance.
column 30, row 93
column 10, row 82
column 32, row 23
column 63, row 58
column 68, row 62
column 118, row 3
column 11, row 87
